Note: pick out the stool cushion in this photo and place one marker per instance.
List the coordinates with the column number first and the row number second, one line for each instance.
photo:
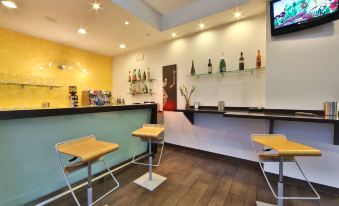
column 87, row 148
column 149, row 132
column 285, row 147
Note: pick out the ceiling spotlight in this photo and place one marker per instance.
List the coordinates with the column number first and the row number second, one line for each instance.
column 9, row 4
column 82, row 31
column 237, row 14
column 126, row 22
column 201, row 25
column 122, row 46
column 96, row 6
column 174, row 34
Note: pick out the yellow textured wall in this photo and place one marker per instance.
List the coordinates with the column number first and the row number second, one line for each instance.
column 21, row 59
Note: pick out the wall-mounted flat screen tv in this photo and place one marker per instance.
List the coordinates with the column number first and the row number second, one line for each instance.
column 295, row 15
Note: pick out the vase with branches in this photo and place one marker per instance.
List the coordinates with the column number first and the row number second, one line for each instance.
column 187, row 94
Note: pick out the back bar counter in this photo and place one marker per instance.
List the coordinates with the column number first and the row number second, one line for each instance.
column 29, row 165
column 316, row 116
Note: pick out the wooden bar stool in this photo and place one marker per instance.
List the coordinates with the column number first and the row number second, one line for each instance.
column 285, row 151
column 152, row 133
column 88, row 150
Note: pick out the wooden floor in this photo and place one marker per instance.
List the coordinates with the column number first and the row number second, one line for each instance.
column 193, row 179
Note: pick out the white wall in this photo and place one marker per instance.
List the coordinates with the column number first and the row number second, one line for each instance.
column 303, row 68
column 291, row 83
column 302, row 73
column 237, row 90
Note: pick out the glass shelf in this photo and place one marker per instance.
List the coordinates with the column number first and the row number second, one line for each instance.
column 32, row 85
column 141, row 93
column 148, row 80
column 221, row 74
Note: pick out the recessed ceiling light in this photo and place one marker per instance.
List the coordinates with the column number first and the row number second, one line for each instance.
column 174, row 34
column 126, row 22
column 82, row 31
column 237, row 14
column 122, row 46
column 96, row 6
column 201, row 25
column 9, row 4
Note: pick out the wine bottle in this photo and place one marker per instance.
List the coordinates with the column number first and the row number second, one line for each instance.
column 258, row 61
column 139, row 75
column 134, row 75
column 241, row 61
column 222, row 65
column 129, row 76
column 192, row 69
column 144, row 76
column 148, row 74
column 209, row 66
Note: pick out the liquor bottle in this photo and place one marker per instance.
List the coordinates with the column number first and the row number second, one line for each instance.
column 241, row 61
column 148, row 74
column 258, row 62
column 222, row 65
column 146, row 89
column 129, row 76
column 192, row 69
column 134, row 75
column 139, row 75
column 144, row 76
column 209, row 66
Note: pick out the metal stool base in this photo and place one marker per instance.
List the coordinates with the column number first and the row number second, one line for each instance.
column 258, row 203
column 144, row 181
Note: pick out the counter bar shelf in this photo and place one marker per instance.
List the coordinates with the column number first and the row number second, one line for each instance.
column 269, row 114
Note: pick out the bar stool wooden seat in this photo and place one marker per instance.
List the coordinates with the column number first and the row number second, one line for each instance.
column 88, row 150
column 152, row 133
column 284, row 151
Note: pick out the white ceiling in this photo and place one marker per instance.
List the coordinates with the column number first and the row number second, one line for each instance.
column 166, row 6
column 106, row 29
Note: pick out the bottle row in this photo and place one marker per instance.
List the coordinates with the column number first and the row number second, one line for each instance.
column 138, row 89
column 222, row 64
column 139, row 76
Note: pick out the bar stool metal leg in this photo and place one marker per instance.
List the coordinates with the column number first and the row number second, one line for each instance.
column 140, row 163
column 66, row 179
column 150, row 158
column 281, row 182
column 89, row 184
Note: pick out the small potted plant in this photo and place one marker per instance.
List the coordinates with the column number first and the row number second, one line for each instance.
column 184, row 92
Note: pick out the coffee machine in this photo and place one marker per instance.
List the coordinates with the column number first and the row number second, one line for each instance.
column 73, row 97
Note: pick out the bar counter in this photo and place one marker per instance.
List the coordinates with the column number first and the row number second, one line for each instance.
column 29, row 165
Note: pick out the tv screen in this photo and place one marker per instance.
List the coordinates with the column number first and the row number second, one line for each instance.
column 294, row 15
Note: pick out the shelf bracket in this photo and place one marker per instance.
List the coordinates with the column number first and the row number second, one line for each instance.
column 271, row 129
column 189, row 116
column 336, row 133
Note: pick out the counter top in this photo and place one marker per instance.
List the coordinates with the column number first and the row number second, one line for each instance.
column 45, row 112
column 277, row 114
column 269, row 114
column 281, row 116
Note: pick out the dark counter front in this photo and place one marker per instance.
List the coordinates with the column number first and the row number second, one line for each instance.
column 268, row 114
column 47, row 112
